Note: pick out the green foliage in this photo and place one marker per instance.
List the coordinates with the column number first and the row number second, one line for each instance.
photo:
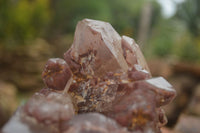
column 189, row 13
column 22, row 20
column 162, row 38
column 187, row 47
column 124, row 15
column 68, row 13
column 27, row 19
column 189, row 52
column 163, row 46
column 171, row 38
column 177, row 36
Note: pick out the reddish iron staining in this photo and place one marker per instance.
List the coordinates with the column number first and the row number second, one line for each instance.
column 101, row 73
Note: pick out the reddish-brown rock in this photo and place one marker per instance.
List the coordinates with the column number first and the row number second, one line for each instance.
column 136, row 110
column 136, row 107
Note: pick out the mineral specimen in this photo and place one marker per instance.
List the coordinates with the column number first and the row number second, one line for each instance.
column 101, row 73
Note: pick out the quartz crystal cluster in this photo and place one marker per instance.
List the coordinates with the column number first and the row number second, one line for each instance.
column 103, row 85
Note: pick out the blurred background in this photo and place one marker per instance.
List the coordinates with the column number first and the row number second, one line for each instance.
column 168, row 32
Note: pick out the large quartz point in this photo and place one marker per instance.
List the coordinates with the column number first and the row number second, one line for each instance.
column 102, row 73
column 96, row 48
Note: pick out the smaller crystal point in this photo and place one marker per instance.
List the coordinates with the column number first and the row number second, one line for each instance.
column 165, row 93
column 136, row 110
column 56, row 74
column 133, row 54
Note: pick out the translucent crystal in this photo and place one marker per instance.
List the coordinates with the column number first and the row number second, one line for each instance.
column 103, row 73
column 96, row 48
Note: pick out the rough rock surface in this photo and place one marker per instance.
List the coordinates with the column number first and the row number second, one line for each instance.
column 44, row 112
column 92, row 123
column 50, row 107
column 102, row 73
